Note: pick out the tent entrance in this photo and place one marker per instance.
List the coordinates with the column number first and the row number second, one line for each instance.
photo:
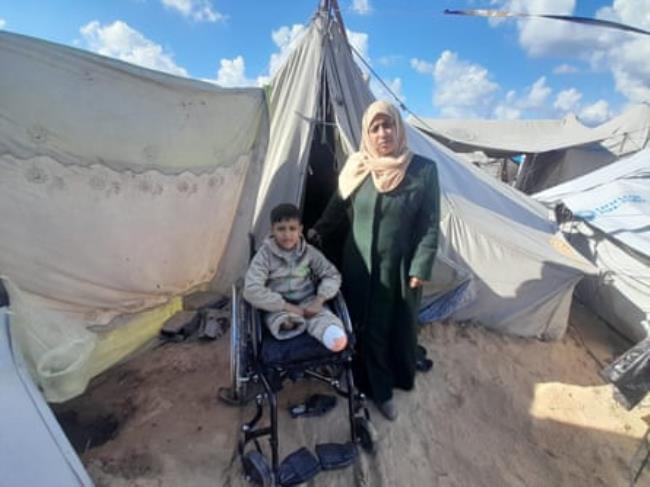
column 326, row 157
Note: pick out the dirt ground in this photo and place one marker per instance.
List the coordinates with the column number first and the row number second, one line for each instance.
column 495, row 411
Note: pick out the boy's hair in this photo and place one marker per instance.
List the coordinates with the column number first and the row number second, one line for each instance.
column 285, row 211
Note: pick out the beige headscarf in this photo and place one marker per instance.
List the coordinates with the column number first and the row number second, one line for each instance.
column 388, row 171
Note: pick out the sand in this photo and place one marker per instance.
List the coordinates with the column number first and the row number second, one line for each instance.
column 495, row 411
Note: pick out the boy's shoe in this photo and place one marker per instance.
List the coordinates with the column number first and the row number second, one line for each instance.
column 387, row 409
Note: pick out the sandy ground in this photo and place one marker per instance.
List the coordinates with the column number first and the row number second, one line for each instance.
column 495, row 411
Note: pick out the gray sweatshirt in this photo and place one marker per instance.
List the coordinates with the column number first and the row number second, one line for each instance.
column 276, row 276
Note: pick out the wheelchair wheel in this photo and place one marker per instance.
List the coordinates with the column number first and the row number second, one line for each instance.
column 239, row 348
column 366, row 434
column 257, row 469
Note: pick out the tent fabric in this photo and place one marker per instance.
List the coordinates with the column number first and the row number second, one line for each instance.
column 504, row 137
column 492, row 235
column 120, row 188
column 557, row 150
column 612, row 206
column 34, row 448
column 614, row 199
column 620, row 293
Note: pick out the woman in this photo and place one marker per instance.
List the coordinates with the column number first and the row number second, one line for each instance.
column 391, row 199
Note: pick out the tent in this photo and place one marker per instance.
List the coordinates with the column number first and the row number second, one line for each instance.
column 556, row 150
column 122, row 189
column 610, row 226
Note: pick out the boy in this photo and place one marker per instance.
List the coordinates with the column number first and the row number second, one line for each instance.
column 291, row 280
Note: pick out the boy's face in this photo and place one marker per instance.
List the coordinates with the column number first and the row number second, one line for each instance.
column 287, row 233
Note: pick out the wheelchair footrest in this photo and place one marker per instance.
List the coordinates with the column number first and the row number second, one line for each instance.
column 300, row 466
column 336, row 455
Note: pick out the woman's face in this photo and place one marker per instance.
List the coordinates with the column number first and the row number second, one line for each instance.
column 382, row 135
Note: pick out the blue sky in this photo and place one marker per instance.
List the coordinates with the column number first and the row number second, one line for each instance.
column 443, row 66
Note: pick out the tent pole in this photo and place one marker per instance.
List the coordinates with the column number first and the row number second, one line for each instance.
column 334, row 5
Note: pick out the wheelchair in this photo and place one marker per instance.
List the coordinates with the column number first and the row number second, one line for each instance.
column 260, row 364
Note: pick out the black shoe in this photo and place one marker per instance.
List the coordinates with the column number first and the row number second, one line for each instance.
column 387, row 409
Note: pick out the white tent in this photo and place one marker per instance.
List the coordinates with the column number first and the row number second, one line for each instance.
column 122, row 188
column 556, row 150
column 611, row 228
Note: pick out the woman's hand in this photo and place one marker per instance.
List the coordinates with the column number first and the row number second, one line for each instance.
column 314, row 238
column 293, row 309
column 314, row 307
column 416, row 282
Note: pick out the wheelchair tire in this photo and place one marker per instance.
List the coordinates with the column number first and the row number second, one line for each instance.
column 366, row 434
column 239, row 353
column 257, row 469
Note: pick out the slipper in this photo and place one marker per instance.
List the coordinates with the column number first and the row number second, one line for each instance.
column 315, row 405
column 336, row 455
column 299, row 467
column 424, row 365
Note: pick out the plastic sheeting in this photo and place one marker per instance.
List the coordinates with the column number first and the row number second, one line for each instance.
column 120, row 188
column 612, row 206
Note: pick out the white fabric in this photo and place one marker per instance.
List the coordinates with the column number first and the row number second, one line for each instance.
column 498, row 137
column 558, row 150
column 614, row 199
column 35, row 451
column 120, row 188
column 620, row 293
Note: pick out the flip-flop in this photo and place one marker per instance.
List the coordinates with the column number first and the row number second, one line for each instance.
column 424, row 365
column 315, row 405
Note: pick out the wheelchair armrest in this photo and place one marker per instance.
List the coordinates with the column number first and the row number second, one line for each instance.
column 340, row 309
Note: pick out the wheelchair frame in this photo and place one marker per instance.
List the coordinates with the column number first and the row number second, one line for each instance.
column 247, row 370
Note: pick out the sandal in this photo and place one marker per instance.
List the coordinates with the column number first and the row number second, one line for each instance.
column 315, row 405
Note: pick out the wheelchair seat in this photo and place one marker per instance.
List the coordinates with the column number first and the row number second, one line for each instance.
column 300, row 350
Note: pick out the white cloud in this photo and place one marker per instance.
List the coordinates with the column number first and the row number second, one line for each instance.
column 422, row 67
column 565, row 69
column 536, row 94
column 359, row 41
column 462, row 88
column 389, row 60
column 567, row 100
column 362, row 7
column 198, row 10
column 623, row 54
column 533, row 98
column 119, row 40
column 286, row 38
column 595, row 113
column 3, row 22
column 381, row 93
column 232, row 73
column 505, row 112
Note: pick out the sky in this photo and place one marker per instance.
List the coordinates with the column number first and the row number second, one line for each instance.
column 438, row 65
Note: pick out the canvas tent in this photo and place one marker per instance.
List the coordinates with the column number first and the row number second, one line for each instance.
column 611, row 228
column 141, row 186
column 556, row 150
column 121, row 188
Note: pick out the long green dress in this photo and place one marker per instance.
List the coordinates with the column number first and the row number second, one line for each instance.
column 391, row 237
